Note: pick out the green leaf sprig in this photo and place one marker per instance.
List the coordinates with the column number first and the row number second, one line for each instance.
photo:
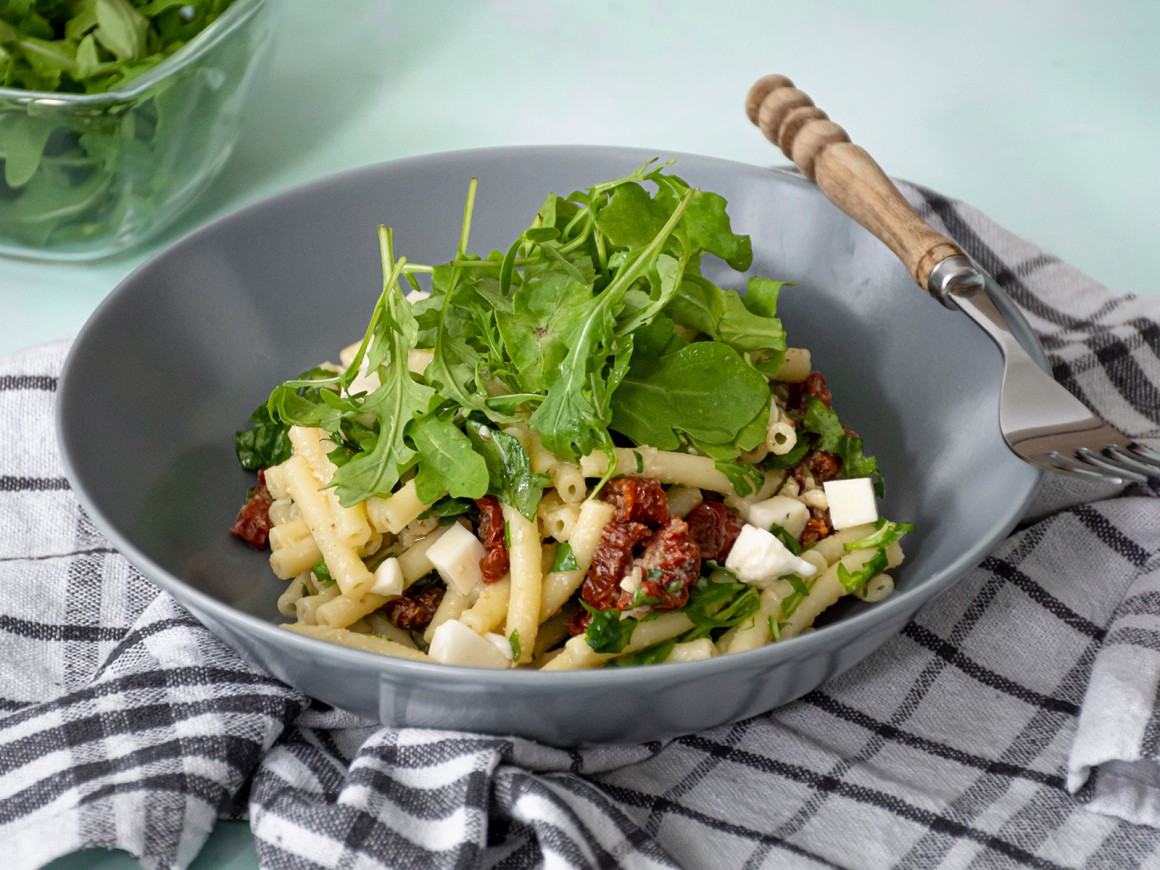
column 94, row 46
column 568, row 332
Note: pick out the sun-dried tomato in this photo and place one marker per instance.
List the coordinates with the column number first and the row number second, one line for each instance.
column 253, row 522
column 668, row 560
column 816, row 528
column 669, row 566
column 823, row 466
column 496, row 558
column 637, row 500
column 413, row 610
column 611, row 561
column 714, row 527
column 813, row 385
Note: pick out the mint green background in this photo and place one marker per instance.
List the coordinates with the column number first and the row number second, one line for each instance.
column 1044, row 114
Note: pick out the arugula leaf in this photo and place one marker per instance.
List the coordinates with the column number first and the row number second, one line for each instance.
column 832, row 437
column 398, row 401
column 651, row 655
column 886, row 532
column 607, row 632
column 42, row 40
column 632, row 218
column 264, row 444
column 704, row 390
column 564, row 560
column 450, row 464
column 701, row 305
column 509, row 468
column 719, row 603
column 121, row 29
column 874, row 566
column 745, row 478
column 322, row 573
column 707, row 226
column 801, row 588
column 572, row 419
column 447, row 508
column 824, row 423
column 534, row 332
column 787, row 540
column 855, row 464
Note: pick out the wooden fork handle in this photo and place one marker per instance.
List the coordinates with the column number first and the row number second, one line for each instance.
column 846, row 174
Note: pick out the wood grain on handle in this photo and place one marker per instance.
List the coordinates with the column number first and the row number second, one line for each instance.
column 846, row 174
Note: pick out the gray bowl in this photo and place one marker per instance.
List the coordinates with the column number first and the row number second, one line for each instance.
column 180, row 353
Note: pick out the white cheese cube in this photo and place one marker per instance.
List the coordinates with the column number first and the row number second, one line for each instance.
column 502, row 644
column 789, row 513
column 852, row 502
column 453, row 643
column 456, row 557
column 759, row 556
column 388, row 578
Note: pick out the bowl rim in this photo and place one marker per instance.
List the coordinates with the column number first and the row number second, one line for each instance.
column 901, row 603
column 236, row 14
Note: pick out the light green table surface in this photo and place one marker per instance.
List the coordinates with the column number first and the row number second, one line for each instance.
column 1045, row 114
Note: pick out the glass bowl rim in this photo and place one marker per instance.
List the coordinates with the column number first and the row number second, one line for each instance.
column 236, row 14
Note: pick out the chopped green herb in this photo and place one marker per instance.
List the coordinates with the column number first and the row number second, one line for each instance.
column 607, row 632
column 509, row 468
column 719, row 604
column 788, row 540
column 651, row 655
column 322, row 573
column 514, row 640
column 774, row 628
column 886, row 532
column 801, row 588
column 448, row 508
column 264, row 444
column 874, row 566
column 564, row 560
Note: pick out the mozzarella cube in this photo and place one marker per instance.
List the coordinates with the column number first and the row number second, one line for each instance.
column 789, row 513
column 502, row 644
column 453, row 643
column 456, row 557
column 759, row 556
column 852, row 502
column 388, row 578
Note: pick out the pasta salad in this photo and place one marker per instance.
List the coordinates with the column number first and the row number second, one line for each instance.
column 575, row 453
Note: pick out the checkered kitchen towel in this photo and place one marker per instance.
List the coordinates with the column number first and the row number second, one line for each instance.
column 1014, row 723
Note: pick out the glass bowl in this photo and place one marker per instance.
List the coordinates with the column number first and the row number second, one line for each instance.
column 85, row 176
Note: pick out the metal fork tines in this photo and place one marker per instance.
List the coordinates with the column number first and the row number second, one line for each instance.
column 1040, row 420
column 1058, row 449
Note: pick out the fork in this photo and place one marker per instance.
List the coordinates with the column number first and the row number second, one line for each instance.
column 1041, row 421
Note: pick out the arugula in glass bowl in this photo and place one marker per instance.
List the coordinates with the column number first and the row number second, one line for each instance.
column 114, row 114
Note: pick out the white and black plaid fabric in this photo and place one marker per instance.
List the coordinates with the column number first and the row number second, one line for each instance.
column 1015, row 722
